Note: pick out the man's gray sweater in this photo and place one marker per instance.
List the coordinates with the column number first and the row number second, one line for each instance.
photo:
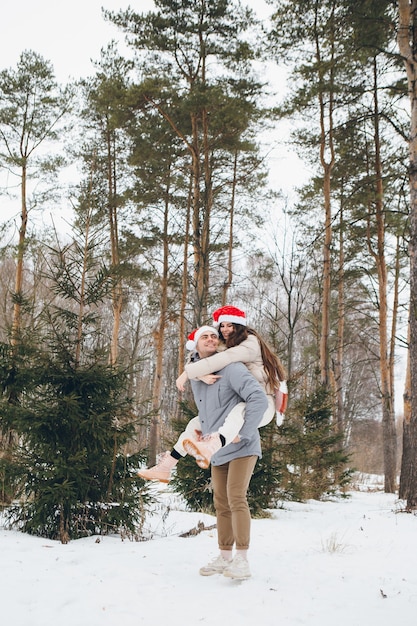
column 215, row 401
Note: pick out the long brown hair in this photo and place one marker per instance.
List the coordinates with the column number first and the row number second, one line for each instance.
column 274, row 369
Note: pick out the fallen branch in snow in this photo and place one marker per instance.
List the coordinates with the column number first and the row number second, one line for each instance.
column 197, row 530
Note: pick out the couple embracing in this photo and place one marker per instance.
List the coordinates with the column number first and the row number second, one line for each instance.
column 236, row 380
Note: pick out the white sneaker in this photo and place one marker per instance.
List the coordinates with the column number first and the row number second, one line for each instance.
column 216, row 566
column 238, row 569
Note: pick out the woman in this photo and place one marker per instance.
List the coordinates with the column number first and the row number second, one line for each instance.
column 239, row 343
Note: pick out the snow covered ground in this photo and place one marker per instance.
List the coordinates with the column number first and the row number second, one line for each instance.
column 342, row 563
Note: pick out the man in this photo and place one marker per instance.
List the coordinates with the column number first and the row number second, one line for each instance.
column 231, row 466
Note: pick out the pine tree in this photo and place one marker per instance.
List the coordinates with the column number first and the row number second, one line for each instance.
column 310, row 455
column 75, row 478
column 198, row 79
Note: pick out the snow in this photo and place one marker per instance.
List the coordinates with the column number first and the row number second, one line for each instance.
column 346, row 562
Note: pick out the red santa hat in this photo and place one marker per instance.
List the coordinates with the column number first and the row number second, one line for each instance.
column 229, row 314
column 193, row 337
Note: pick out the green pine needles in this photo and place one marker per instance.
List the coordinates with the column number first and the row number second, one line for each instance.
column 66, row 463
column 310, row 452
column 65, row 426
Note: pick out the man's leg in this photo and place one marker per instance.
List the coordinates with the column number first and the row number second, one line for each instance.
column 238, row 479
column 239, row 475
column 219, row 479
column 224, row 523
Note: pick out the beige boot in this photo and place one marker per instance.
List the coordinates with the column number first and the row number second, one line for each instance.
column 162, row 470
column 203, row 450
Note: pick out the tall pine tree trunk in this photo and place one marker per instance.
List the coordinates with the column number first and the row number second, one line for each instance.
column 325, row 314
column 117, row 296
column 159, row 342
column 18, row 289
column 327, row 159
column 408, row 453
column 338, row 366
column 197, row 225
column 184, row 286
column 407, row 41
column 228, row 282
column 388, row 418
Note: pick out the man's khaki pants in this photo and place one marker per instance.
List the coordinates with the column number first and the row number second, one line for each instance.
column 230, row 486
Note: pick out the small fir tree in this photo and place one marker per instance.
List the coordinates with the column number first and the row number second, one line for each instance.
column 70, row 418
column 310, row 452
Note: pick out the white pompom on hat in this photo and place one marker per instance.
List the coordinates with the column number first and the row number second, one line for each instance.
column 193, row 337
column 229, row 314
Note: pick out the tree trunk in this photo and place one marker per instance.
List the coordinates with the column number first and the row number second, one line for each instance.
column 18, row 289
column 197, row 227
column 81, row 306
column 338, row 367
column 325, row 315
column 184, row 289
column 407, row 461
column 117, row 295
column 327, row 159
column 159, row 341
column 407, row 41
column 228, row 282
column 206, row 210
column 388, row 417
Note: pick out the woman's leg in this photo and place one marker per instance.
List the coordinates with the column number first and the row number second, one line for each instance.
column 269, row 413
column 233, row 423
column 162, row 470
column 189, row 433
column 234, row 420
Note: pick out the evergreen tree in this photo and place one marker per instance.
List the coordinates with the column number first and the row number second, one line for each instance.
column 31, row 108
column 197, row 77
column 312, row 462
column 76, row 479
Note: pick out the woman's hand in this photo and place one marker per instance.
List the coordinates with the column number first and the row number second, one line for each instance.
column 209, row 379
column 181, row 380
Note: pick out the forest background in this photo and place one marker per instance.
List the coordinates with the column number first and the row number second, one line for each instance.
column 159, row 163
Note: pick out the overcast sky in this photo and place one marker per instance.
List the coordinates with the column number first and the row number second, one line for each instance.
column 69, row 34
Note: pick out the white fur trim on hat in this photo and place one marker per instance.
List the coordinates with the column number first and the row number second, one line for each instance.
column 196, row 334
column 229, row 314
